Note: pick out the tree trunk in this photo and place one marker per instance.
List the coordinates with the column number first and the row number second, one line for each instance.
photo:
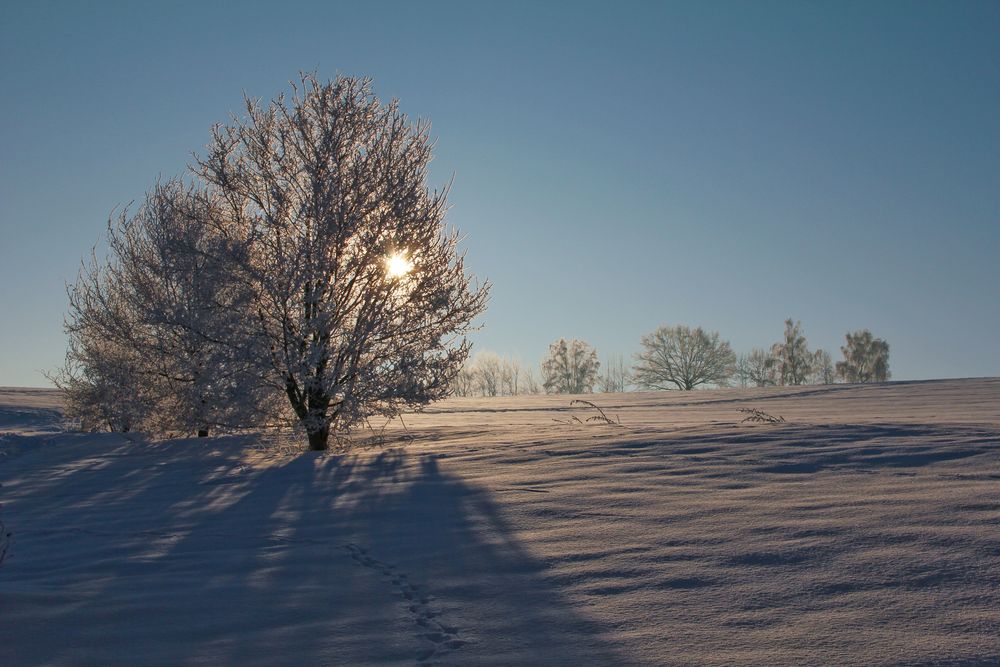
column 318, row 439
column 203, row 433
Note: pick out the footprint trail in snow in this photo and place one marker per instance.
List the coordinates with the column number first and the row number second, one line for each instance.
column 441, row 637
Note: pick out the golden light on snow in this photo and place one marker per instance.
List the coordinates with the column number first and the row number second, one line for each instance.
column 397, row 265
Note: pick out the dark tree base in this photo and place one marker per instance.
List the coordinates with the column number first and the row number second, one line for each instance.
column 319, row 440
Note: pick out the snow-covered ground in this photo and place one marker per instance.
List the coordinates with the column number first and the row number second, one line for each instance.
column 863, row 530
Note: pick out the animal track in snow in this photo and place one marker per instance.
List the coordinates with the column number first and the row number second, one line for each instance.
column 441, row 637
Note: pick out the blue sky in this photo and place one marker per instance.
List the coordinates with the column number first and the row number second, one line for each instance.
column 616, row 166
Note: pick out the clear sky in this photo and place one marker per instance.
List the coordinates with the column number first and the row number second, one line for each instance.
column 616, row 165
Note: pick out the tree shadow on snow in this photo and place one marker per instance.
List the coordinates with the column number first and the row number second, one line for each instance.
column 164, row 558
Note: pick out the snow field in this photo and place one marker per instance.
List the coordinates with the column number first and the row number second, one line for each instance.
column 864, row 530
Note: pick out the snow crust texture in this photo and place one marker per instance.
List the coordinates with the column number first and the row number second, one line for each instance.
column 865, row 529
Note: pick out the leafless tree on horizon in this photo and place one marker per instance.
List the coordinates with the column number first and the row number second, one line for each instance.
column 683, row 358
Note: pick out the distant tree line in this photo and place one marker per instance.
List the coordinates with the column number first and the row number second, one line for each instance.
column 679, row 357
column 790, row 362
column 488, row 374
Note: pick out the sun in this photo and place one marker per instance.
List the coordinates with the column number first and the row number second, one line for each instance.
column 397, row 265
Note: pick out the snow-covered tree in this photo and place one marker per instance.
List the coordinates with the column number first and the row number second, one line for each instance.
column 866, row 358
column 683, row 358
column 101, row 378
column 193, row 316
column 793, row 361
column 102, row 384
column 158, row 333
column 360, row 292
column 570, row 368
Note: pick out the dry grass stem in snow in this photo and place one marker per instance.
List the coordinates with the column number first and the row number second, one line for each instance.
column 759, row 416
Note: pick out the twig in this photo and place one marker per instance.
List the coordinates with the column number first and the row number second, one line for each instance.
column 573, row 418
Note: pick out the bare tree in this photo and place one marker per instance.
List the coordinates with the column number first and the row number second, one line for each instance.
column 743, row 371
column 510, row 377
column 361, row 295
column 683, row 358
column 760, row 368
column 464, row 383
column 822, row 368
column 529, row 384
column 488, row 368
column 489, row 374
column 866, row 358
column 616, row 377
column 571, row 368
column 792, row 357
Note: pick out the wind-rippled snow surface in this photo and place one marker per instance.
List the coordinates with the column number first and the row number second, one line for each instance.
column 865, row 529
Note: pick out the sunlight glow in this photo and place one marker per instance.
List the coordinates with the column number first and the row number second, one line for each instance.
column 397, row 265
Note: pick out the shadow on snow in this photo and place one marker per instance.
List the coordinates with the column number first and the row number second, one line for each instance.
column 162, row 553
